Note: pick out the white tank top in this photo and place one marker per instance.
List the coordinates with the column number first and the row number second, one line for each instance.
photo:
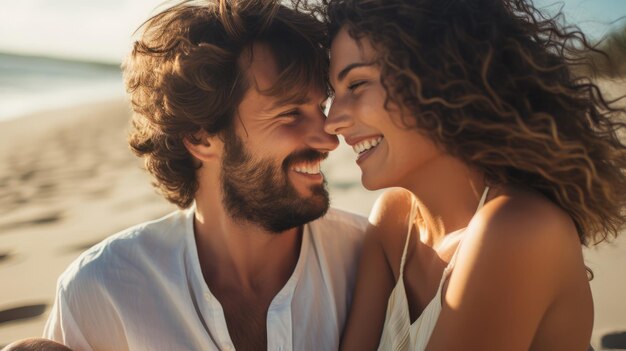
column 398, row 332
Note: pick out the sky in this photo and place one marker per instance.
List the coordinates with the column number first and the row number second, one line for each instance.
column 594, row 17
column 101, row 30
column 94, row 30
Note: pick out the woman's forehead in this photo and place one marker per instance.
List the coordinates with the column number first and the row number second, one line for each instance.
column 346, row 50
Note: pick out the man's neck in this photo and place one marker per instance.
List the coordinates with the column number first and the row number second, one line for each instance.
column 242, row 256
column 244, row 266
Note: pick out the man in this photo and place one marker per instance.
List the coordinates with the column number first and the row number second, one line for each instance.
column 228, row 115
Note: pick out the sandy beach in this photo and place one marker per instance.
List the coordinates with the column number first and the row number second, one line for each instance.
column 68, row 180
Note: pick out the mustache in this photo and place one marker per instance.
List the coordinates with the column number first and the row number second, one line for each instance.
column 307, row 155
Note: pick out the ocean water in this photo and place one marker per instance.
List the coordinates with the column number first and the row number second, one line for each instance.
column 32, row 84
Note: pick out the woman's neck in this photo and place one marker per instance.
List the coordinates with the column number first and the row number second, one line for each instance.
column 448, row 193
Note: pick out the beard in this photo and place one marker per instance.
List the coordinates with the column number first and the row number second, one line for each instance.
column 259, row 191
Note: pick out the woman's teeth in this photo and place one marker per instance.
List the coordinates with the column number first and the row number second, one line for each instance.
column 366, row 144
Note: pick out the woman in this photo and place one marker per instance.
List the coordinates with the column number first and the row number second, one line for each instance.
column 511, row 164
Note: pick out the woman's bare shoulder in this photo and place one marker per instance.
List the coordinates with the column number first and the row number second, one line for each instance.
column 389, row 220
column 525, row 230
column 522, row 215
column 390, row 213
column 520, row 257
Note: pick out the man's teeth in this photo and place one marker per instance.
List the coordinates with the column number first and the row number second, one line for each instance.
column 366, row 144
column 313, row 168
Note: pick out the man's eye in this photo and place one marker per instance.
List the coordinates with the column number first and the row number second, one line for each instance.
column 290, row 114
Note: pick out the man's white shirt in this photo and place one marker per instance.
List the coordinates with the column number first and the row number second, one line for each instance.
column 143, row 289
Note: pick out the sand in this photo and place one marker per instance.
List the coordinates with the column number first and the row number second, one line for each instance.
column 68, row 180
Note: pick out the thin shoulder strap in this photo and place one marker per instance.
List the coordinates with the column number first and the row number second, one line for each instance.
column 481, row 203
column 482, row 199
column 408, row 236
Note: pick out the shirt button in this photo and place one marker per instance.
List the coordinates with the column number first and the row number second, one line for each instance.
column 207, row 296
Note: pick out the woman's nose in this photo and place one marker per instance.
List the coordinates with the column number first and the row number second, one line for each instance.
column 338, row 118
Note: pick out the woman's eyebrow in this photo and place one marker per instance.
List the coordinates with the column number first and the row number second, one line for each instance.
column 344, row 72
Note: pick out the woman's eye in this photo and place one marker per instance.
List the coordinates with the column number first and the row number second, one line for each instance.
column 353, row 86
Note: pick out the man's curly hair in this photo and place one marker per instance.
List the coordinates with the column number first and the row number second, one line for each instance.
column 185, row 74
column 491, row 82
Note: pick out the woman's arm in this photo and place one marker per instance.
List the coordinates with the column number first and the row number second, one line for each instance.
column 375, row 278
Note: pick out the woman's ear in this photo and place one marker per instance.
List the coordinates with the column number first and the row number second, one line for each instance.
column 203, row 146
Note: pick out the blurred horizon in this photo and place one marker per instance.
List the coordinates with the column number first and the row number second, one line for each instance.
column 29, row 84
column 54, row 54
column 102, row 31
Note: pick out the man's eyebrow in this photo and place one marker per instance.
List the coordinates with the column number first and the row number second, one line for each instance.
column 344, row 72
column 288, row 101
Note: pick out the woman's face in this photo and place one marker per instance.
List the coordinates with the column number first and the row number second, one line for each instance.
column 390, row 153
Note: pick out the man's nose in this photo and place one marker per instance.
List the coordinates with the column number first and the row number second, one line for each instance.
column 317, row 138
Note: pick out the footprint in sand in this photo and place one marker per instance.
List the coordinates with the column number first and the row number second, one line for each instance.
column 614, row 341
column 5, row 256
column 80, row 247
column 22, row 312
column 45, row 218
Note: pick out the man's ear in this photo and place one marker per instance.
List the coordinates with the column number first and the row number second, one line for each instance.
column 203, row 146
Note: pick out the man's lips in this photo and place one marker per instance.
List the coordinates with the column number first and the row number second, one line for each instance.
column 305, row 162
column 307, row 167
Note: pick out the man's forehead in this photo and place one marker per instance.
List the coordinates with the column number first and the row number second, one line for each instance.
column 262, row 72
column 259, row 66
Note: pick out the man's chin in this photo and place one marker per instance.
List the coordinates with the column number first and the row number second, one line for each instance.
column 299, row 214
column 319, row 199
column 314, row 194
column 306, row 188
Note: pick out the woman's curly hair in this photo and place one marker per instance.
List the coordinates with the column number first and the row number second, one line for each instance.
column 491, row 82
column 185, row 74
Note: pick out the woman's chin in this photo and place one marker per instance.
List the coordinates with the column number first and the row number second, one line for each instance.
column 371, row 183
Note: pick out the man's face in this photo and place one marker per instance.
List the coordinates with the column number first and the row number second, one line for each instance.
column 271, row 162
